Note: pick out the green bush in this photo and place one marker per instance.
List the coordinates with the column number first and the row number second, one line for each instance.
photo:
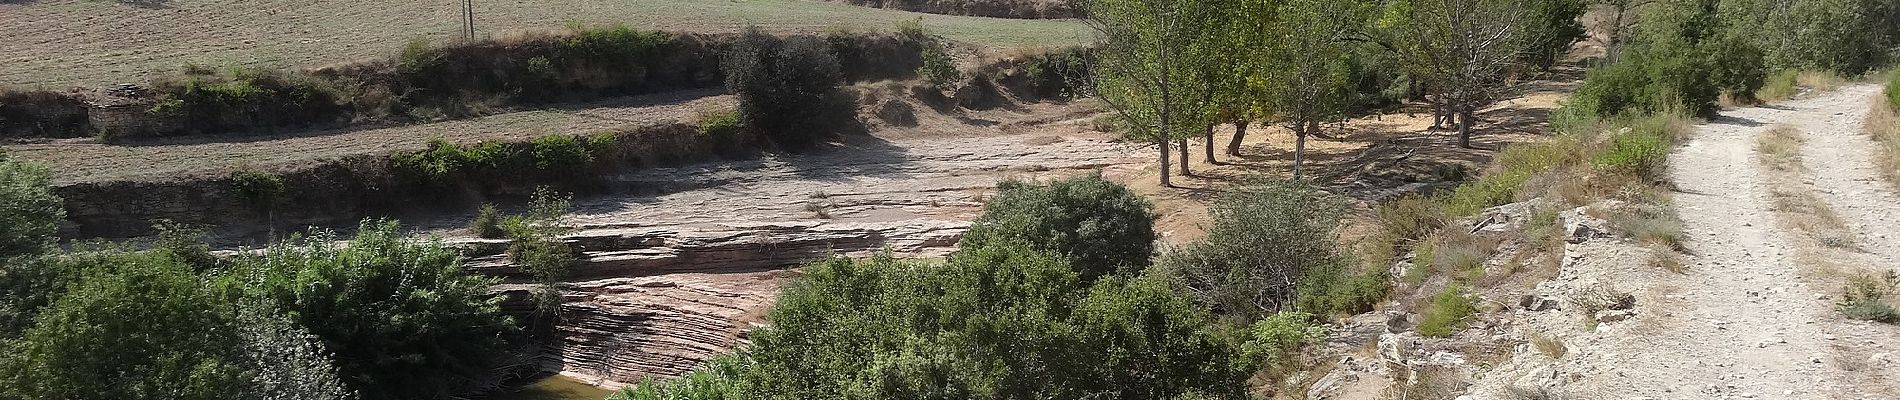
column 534, row 243
column 1270, row 244
column 1865, row 299
column 30, row 213
column 1446, row 313
column 1275, row 339
column 1893, row 89
column 997, row 322
column 1101, row 226
column 148, row 329
column 206, row 101
column 258, row 189
column 716, row 124
column 487, row 222
column 789, row 89
column 938, row 68
column 561, row 154
column 1639, row 152
column 1681, row 59
column 403, row 318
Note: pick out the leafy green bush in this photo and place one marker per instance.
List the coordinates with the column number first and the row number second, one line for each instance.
column 997, row 322
column 206, row 101
column 788, row 89
column 720, row 124
column 487, row 222
column 1266, row 240
column 1274, row 339
column 1865, row 299
column 1893, row 89
column 565, row 154
column 1779, row 86
column 29, row 211
column 405, row 321
column 1640, row 152
column 258, row 189
column 534, row 243
column 1101, row 226
column 1681, row 59
column 938, row 68
column 1446, row 313
column 147, row 329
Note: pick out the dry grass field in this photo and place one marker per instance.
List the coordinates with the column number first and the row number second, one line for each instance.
column 61, row 43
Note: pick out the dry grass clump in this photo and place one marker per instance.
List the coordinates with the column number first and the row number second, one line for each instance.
column 1789, row 83
column 1883, row 124
column 1780, row 148
column 1864, row 298
column 1549, row 345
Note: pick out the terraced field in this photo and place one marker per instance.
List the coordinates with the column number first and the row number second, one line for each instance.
column 61, row 43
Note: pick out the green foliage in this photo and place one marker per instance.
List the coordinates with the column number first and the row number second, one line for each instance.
column 1101, row 226
column 992, row 323
column 29, row 211
column 258, row 189
column 487, row 222
column 1893, row 89
column 203, row 100
column 720, row 124
column 561, row 153
column 1271, row 243
column 1640, row 150
column 1845, row 36
column 1556, row 26
column 938, row 68
column 1865, row 299
column 1779, row 86
column 788, row 89
column 146, row 329
column 1491, row 190
column 534, row 243
column 1446, row 313
column 1681, row 60
column 1275, row 339
column 403, row 318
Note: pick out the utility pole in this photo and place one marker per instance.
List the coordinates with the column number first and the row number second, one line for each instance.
column 468, row 19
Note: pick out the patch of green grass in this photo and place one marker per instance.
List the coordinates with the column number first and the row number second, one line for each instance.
column 1865, row 299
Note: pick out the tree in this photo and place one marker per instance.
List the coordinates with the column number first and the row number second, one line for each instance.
column 788, row 88
column 1623, row 18
column 29, row 211
column 1301, row 54
column 403, row 318
column 1100, row 226
column 1462, row 49
column 143, row 327
column 1145, row 66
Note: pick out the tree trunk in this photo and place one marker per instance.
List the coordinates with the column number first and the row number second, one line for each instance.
column 1184, row 157
column 1210, row 145
column 1299, row 151
column 1162, row 140
column 1438, row 115
column 1464, row 128
column 1240, row 132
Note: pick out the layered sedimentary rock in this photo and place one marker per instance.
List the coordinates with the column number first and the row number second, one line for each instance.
column 657, row 302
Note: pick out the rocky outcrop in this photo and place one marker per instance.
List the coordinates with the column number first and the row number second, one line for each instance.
column 657, row 302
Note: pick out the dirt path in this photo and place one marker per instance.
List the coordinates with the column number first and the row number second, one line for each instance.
column 1742, row 322
column 1845, row 175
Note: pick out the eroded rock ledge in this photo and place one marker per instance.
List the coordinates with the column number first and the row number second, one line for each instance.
column 657, row 302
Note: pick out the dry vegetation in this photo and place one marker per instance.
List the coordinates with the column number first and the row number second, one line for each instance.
column 60, row 43
column 1883, row 123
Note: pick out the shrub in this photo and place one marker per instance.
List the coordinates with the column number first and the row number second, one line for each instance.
column 30, row 213
column 148, row 329
column 1865, row 299
column 258, row 189
column 534, row 243
column 1446, row 313
column 788, row 89
column 1275, row 339
column 1098, row 225
column 405, row 321
column 1266, row 240
column 561, row 154
column 487, row 223
column 209, row 102
column 1893, row 89
column 1779, row 86
column 938, row 68
column 720, row 124
column 994, row 322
